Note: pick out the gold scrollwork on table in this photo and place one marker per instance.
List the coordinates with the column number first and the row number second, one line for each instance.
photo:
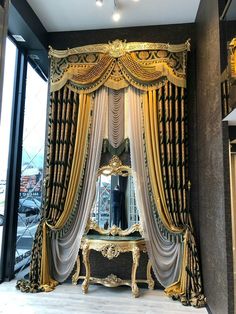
column 110, row 251
column 110, row 281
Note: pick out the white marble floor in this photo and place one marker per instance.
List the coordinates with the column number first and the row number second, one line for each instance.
column 69, row 299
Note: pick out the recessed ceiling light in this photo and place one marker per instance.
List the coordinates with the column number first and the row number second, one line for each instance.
column 18, row 38
column 99, row 3
column 116, row 16
column 116, row 12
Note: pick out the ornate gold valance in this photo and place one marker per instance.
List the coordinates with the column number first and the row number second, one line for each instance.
column 118, row 64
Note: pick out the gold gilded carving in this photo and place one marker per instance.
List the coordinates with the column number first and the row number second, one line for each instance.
column 134, row 286
column 110, row 251
column 150, row 281
column 111, row 281
column 86, row 252
column 114, row 230
column 115, row 167
column 117, row 48
column 75, row 277
column 122, row 45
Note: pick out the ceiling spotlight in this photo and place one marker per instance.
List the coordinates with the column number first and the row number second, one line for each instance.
column 99, row 3
column 116, row 12
column 18, row 38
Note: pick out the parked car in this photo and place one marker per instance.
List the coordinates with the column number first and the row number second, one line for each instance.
column 29, row 206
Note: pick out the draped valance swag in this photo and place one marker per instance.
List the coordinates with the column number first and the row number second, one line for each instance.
column 151, row 78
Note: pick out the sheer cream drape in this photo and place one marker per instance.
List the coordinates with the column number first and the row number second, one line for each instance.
column 165, row 255
column 65, row 249
column 116, row 117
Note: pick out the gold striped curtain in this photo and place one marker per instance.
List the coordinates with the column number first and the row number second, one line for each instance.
column 166, row 148
column 68, row 127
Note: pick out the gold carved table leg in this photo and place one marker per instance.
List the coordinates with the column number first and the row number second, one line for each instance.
column 136, row 256
column 150, row 281
column 86, row 252
column 75, row 277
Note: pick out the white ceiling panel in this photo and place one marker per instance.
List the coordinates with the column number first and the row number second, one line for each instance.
column 71, row 15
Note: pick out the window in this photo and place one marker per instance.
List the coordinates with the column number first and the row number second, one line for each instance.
column 31, row 168
column 5, row 123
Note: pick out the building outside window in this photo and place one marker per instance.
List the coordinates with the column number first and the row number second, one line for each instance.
column 31, row 169
column 5, row 124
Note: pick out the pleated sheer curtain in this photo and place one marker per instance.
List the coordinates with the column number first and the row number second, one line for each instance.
column 68, row 130
column 158, row 156
column 75, row 135
column 65, row 249
column 165, row 255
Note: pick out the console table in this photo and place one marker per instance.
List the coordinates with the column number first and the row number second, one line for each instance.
column 111, row 247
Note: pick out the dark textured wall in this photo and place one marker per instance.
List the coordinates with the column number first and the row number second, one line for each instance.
column 173, row 34
column 213, row 180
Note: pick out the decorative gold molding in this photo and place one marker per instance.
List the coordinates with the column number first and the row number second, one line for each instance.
column 114, row 230
column 119, row 47
column 115, row 167
column 111, row 281
column 110, row 251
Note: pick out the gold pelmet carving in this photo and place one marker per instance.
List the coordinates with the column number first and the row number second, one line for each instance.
column 121, row 45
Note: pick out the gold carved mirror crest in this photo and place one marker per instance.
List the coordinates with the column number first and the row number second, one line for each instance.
column 115, row 167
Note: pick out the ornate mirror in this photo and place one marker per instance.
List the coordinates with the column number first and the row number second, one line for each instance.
column 115, row 202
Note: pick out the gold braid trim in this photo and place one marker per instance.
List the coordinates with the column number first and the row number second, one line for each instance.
column 87, row 78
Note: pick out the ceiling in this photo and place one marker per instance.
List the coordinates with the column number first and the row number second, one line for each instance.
column 71, row 15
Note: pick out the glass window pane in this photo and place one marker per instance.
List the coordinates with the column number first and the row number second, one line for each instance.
column 31, row 168
column 8, row 86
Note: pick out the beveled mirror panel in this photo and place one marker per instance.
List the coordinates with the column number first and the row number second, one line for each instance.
column 115, row 202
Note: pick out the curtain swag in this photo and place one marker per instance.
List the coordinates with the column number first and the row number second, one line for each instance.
column 145, row 66
column 155, row 75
